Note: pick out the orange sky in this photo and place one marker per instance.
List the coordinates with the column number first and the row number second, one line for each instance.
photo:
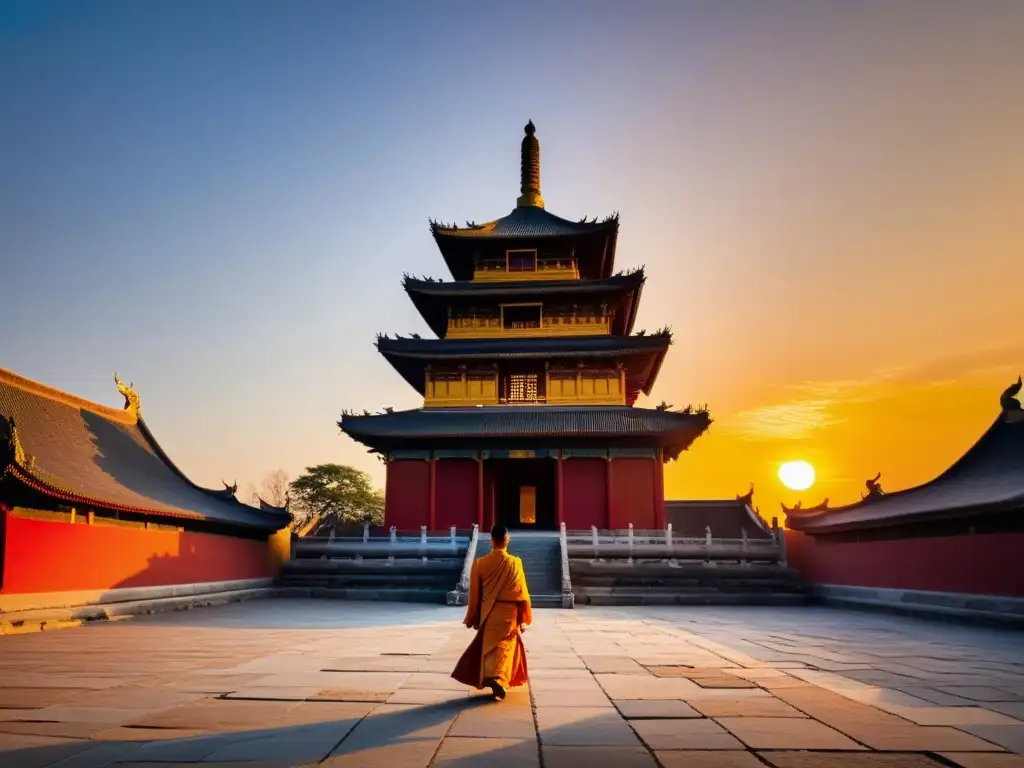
column 828, row 199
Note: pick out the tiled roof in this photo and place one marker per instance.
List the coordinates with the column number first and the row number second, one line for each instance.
column 525, row 421
column 528, row 221
column 408, row 356
column 572, row 346
column 593, row 242
column 614, row 284
column 988, row 478
column 727, row 519
column 92, row 455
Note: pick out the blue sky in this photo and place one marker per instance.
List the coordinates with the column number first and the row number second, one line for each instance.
column 218, row 199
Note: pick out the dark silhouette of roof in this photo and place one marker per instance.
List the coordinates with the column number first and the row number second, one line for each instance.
column 79, row 452
column 727, row 519
column 988, row 478
column 576, row 422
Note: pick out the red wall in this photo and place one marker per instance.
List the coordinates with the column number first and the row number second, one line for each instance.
column 407, row 494
column 632, row 493
column 982, row 564
column 46, row 556
column 584, row 493
column 456, row 493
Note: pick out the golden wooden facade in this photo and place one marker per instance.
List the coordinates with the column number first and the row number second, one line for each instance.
column 580, row 385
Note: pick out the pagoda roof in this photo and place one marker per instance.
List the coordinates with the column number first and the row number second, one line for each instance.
column 987, row 478
column 642, row 354
column 669, row 428
column 526, row 226
column 77, row 452
column 432, row 298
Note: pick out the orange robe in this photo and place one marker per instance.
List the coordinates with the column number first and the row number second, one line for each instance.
column 499, row 604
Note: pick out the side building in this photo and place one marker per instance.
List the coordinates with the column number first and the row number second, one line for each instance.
column 528, row 413
column 941, row 546
column 94, row 513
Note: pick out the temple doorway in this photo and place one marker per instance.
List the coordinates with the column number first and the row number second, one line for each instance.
column 524, row 493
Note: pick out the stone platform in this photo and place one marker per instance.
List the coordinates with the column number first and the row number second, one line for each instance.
column 310, row 682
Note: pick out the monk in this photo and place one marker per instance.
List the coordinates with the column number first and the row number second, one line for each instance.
column 499, row 609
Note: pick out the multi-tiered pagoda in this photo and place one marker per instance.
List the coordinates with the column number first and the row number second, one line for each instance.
column 528, row 390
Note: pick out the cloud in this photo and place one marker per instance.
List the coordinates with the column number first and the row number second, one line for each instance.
column 812, row 405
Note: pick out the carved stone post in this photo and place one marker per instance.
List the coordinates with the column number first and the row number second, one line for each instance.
column 423, row 541
column 707, row 546
column 366, row 531
column 392, row 540
column 629, row 539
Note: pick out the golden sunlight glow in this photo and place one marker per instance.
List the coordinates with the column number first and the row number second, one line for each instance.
column 797, row 475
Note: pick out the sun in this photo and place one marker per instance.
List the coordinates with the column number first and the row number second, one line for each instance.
column 797, row 475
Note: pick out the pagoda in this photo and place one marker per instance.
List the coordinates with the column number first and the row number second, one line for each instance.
column 528, row 413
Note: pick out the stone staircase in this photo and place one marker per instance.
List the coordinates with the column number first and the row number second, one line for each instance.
column 542, row 560
column 661, row 583
column 350, row 569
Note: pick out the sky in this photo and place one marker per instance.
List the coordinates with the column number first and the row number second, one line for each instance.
column 218, row 200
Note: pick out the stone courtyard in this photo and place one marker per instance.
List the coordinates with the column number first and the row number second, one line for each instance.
column 302, row 682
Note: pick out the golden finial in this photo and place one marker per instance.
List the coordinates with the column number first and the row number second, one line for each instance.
column 530, row 170
column 131, row 397
column 17, row 449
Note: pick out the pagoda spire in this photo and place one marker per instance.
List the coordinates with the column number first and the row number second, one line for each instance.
column 530, row 171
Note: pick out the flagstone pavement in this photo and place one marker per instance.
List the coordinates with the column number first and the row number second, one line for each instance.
column 304, row 682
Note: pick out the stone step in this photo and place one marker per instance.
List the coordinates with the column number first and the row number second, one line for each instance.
column 392, row 594
column 683, row 598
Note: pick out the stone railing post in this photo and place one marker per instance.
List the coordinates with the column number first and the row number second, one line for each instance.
column 708, row 544
column 596, row 540
column 366, row 531
column 780, row 541
column 629, row 541
column 668, row 543
column 392, row 540
column 460, row 595
column 423, row 541
column 568, row 599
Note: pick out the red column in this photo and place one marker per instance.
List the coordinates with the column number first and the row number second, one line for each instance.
column 432, row 523
column 659, row 490
column 608, row 491
column 480, row 491
column 559, row 486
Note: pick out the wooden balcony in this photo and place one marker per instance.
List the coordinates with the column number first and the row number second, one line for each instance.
column 500, row 270
column 554, row 325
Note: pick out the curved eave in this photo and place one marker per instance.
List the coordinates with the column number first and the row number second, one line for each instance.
column 55, row 490
column 988, row 478
column 548, row 423
column 409, row 356
column 432, row 299
column 458, row 244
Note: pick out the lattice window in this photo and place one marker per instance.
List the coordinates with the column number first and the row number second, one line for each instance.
column 522, row 387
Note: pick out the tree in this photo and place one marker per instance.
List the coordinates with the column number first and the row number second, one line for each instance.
column 337, row 494
column 273, row 490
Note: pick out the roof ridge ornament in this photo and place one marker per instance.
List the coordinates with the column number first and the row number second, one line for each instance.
column 748, row 497
column 131, row 397
column 14, row 441
column 1008, row 400
column 529, row 171
column 874, row 488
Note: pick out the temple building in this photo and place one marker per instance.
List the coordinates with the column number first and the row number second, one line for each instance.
column 528, row 413
column 92, row 507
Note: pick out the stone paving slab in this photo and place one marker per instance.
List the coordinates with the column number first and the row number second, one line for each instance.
column 303, row 682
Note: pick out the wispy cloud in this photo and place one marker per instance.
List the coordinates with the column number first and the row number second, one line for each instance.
column 812, row 405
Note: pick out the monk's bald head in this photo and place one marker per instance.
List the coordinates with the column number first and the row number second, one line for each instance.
column 499, row 536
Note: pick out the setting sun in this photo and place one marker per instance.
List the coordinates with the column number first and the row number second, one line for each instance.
column 797, row 475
